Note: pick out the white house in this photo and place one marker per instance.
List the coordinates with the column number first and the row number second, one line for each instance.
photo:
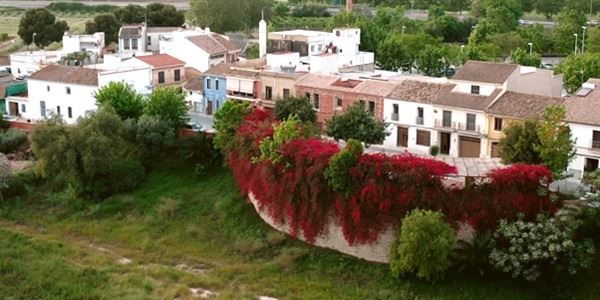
column 155, row 34
column 28, row 62
column 132, row 39
column 193, row 94
column 92, row 43
column 64, row 90
column 199, row 49
column 583, row 115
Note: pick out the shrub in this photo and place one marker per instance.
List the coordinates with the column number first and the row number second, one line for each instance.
column 4, row 124
column 123, row 98
column 299, row 107
column 338, row 171
column 423, row 245
column 357, row 123
column 283, row 133
column 11, row 140
column 529, row 249
column 434, row 150
column 168, row 104
column 150, row 134
column 124, row 176
column 5, row 174
column 472, row 255
column 198, row 149
column 226, row 121
column 592, row 179
column 18, row 182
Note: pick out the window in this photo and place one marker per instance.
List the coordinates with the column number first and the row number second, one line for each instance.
column 286, row 93
column 320, row 47
column 447, row 118
column 68, row 90
column 423, row 137
column 312, row 48
column 70, row 112
column 420, row 116
column 18, row 70
column 149, row 41
column 372, row 107
column 316, row 102
column 498, row 124
column 23, row 108
column 395, row 110
column 217, row 84
column 337, row 33
column 126, row 44
column 307, row 96
column 471, row 122
column 161, row 77
column 177, row 75
column 58, row 110
column 591, row 165
column 208, row 83
column 596, row 139
column 268, row 92
column 190, row 93
column 338, row 102
column 43, row 108
column 475, row 89
column 134, row 44
column 47, row 88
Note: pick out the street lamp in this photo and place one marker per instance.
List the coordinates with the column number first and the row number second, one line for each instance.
column 575, row 35
column 530, row 48
column 462, row 48
column 33, row 38
column 583, row 39
column 403, row 29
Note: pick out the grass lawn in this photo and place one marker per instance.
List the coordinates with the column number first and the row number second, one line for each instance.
column 179, row 232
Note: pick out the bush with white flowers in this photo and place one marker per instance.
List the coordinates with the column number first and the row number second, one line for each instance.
column 527, row 249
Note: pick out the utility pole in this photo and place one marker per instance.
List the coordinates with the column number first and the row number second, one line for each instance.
column 530, row 48
column 575, row 35
column 583, row 39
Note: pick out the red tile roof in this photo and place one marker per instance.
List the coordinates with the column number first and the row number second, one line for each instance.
column 522, row 106
column 213, row 43
column 161, row 60
column 585, row 109
column 486, row 72
column 67, row 74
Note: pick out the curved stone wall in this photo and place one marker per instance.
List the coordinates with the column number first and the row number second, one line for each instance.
column 333, row 238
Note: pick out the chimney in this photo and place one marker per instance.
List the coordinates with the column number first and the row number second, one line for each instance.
column 262, row 37
column 348, row 6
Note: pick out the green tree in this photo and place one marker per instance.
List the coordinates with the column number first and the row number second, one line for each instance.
column 432, row 61
column 522, row 57
column 538, row 36
column 338, row 171
column 220, row 16
column 577, row 69
column 127, row 103
column 556, row 146
column 549, row 7
column 569, row 22
column 41, row 23
column 226, row 120
column 507, row 42
column 593, row 41
column 164, row 15
column 77, row 57
column 5, row 174
column 168, row 104
column 150, row 134
column 107, row 23
column 131, row 14
column 299, row 107
column 503, row 14
column 357, row 123
column 284, row 132
column 519, row 143
column 392, row 54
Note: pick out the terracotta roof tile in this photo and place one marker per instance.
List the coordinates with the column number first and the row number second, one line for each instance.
column 162, row 29
column 374, row 87
column 212, row 43
column 585, row 109
column 67, row 74
column 317, row 80
column 420, row 92
column 486, row 72
column 130, row 31
column 522, row 106
column 467, row 101
column 161, row 60
column 193, row 84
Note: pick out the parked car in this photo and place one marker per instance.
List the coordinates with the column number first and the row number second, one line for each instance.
column 548, row 66
column 593, row 22
column 194, row 126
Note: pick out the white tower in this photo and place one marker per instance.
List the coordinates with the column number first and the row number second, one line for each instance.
column 262, row 37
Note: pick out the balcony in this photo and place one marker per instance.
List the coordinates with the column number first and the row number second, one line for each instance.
column 445, row 124
column 456, row 126
column 594, row 145
column 419, row 121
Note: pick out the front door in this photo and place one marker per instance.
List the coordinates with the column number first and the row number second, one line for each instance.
column 445, row 143
column 495, row 149
column 209, row 107
column 402, row 137
column 591, row 164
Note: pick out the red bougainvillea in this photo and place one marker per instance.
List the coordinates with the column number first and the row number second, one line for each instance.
column 296, row 193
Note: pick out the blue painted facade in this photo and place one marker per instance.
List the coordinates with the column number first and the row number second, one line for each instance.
column 215, row 92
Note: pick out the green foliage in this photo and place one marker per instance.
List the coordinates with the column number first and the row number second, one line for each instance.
column 519, row 143
column 569, row 21
column 541, row 38
column 45, row 26
column 293, row 106
column 503, row 14
column 229, row 15
column 4, row 124
column 310, row 9
column 357, row 123
column 226, row 120
column 522, row 57
column 432, row 61
column 507, row 42
column 338, row 171
column 592, row 179
column 556, row 147
column 92, row 156
column 423, row 245
column 164, row 15
column 77, row 7
column 5, row 174
column 577, row 69
column 131, row 14
column 284, row 132
column 169, row 105
column 592, row 40
column 151, row 135
column 472, row 255
column 107, row 23
column 393, row 55
column 122, row 98
column 434, row 150
column 75, row 58
column 11, row 140
column 198, row 148
column 528, row 249
column 549, row 7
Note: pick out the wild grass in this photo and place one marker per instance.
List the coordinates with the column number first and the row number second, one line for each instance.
column 181, row 231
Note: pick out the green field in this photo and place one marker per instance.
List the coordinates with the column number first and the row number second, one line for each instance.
column 179, row 232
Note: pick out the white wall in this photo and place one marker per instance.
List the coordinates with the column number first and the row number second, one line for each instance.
column 460, row 116
column 582, row 134
column 181, row 48
column 80, row 100
column 407, row 117
column 27, row 63
column 195, row 100
column 465, row 88
column 139, row 78
column 93, row 43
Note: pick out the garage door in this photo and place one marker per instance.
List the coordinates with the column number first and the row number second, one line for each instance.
column 469, row 147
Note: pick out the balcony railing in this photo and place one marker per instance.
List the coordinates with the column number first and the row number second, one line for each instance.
column 395, row 117
column 419, row 121
column 445, row 124
column 458, row 126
